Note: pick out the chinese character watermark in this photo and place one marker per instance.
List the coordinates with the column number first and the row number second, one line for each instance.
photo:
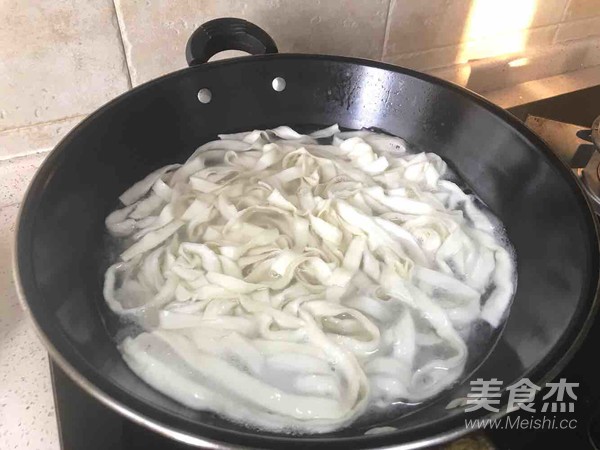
column 484, row 394
column 487, row 394
column 521, row 395
column 559, row 389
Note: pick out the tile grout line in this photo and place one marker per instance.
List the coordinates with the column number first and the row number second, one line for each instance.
column 17, row 203
column 41, row 124
column 386, row 33
column 497, row 35
column 545, row 49
column 562, row 20
column 573, row 22
column 565, row 9
column 12, row 158
column 122, row 40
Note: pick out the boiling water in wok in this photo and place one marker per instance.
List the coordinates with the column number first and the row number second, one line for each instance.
column 299, row 283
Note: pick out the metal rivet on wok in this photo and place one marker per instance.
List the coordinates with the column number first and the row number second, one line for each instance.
column 204, row 95
column 278, row 84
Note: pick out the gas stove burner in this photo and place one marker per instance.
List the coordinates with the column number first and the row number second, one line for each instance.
column 590, row 179
column 578, row 147
column 595, row 132
column 590, row 174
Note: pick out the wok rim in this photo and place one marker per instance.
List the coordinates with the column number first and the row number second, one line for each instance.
column 545, row 370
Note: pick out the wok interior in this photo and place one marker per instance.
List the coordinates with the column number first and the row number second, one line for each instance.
column 61, row 233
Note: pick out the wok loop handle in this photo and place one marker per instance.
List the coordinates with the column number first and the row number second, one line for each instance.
column 227, row 33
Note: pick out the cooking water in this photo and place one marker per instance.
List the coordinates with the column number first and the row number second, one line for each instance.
column 479, row 332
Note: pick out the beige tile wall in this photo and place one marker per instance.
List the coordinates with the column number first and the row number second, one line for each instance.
column 61, row 59
column 155, row 32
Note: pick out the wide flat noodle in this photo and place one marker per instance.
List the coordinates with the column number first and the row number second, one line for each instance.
column 288, row 283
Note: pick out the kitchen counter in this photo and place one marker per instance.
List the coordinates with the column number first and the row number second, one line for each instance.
column 27, row 418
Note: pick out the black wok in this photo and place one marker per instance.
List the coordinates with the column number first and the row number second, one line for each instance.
column 60, row 244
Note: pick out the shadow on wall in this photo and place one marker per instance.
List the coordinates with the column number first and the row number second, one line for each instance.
column 497, row 28
column 528, row 52
column 487, row 45
column 494, row 40
column 508, row 71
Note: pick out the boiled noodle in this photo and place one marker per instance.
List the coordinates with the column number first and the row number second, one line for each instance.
column 289, row 284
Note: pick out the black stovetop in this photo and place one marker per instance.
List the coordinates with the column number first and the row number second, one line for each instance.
column 86, row 424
